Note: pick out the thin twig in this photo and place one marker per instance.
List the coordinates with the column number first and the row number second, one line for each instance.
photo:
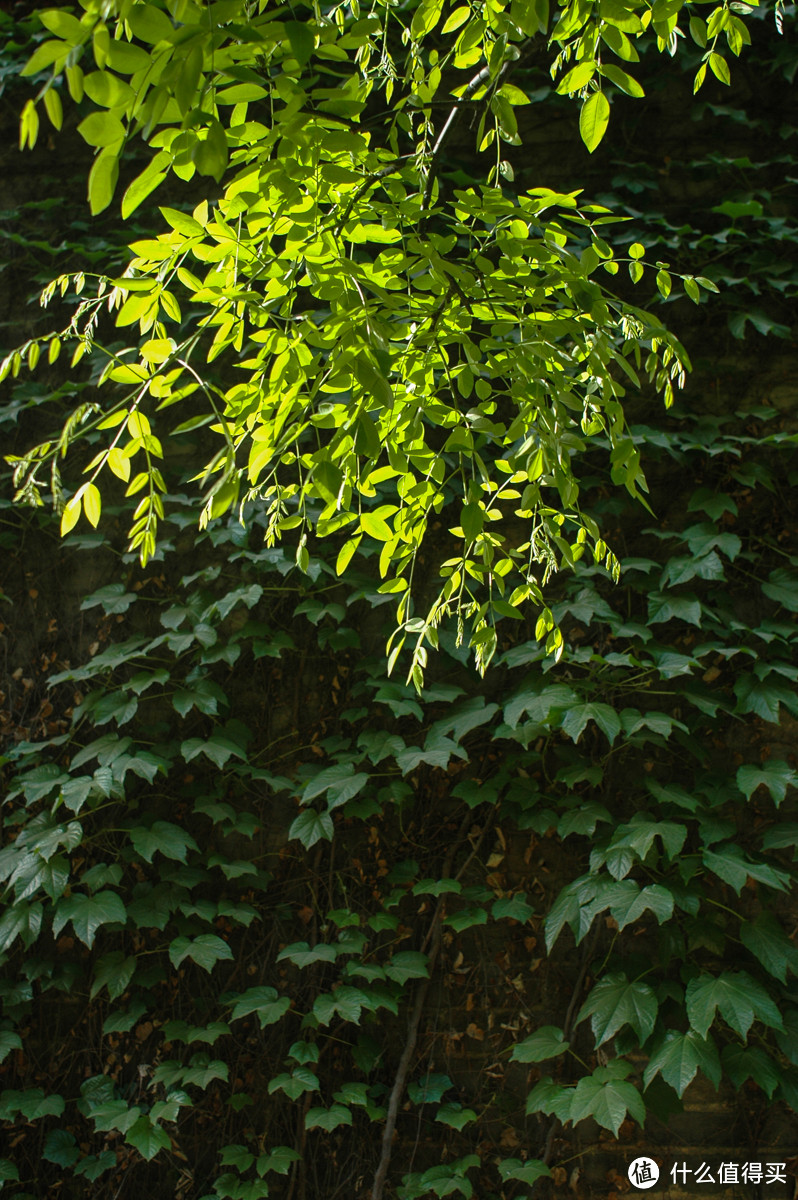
column 298, row 1178
column 433, row 939
column 454, row 113
column 587, row 955
column 448, row 125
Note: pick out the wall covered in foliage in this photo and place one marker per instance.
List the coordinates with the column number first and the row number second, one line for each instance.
column 275, row 924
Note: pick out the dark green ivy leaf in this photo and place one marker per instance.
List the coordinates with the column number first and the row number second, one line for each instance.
column 615, row 1002
column 115, row 972
column 527, row 1172
column 730, row 864
column 738, row 997
column 88, row 913
column 261, row 1000
column 751, row 1062
column 678, row 1056
column 607, row 1097
column 9, row 1040
column 430, row 1089
column 310, row 826
column 775, row 775
column 301, row 954
column 205, row 951
column 783, row 588
column 280, row 1159
column 328, row 1118
column 163, row 837
column 455, row 1115
column 768, row 942
column 513, row 908
column 407, row 964
column 60, row 1148
column 301, row 1080
column 147, row 1138
column 547, row 1042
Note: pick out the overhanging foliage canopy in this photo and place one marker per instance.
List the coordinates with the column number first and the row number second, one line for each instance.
column 394, row 340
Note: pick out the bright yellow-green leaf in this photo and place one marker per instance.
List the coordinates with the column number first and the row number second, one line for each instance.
column 182, row 222
column 55, row 111
column 514, row 95
column 136, row 308
column 47, row 54
column 138, row 191
column 113, row 419
column 346, row 553
column 150, row 24
column 577, row 78
column 375, row 527
column 371, row 233
column 619, row 43
column 171, row 308
column 28, row 125
column 127, row 373
column 593, row 119
column 664, row 283
column 102, row 129
column 102, row 180
column 625, row 82
column 157, row 350
column 187, row 84
column 70, row 515
column 119, row 463
column 138, row 425
column 210, row 155
column 137, row 483
column 616, row 13
column 426, row 17
column 456, row 19
column 127, row 58
column 720, row 68
column 226, row 497
column 75, row 83
column 64, row 25
column 105, row 89
column 101, row 44
column 691, row 287
column 92, row 504
column 392, row 587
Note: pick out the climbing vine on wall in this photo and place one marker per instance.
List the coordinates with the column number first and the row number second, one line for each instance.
column 238, row 923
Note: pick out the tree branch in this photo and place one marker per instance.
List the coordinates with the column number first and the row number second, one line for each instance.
column 454, row 113
column 587, row 954
column 433, row 938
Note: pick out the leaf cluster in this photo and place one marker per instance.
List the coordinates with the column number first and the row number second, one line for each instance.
column 402, row 347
